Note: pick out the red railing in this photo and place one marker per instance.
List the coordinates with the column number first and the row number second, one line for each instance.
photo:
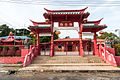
column 107, row 56
column 30, row 56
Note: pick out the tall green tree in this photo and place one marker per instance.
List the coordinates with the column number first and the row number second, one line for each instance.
column 48, row 38
column 43, row 39
column 5, row 30
column 112, row 37
column 22, row 32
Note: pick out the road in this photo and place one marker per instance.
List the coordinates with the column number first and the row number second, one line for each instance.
column 61, row 76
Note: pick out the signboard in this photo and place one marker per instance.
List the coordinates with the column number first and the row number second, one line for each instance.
column 46, row 25
column 66, row 28
column 87, row 34
column 66, row 24
column 45, row 34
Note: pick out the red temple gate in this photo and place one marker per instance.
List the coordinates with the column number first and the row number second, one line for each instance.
column 65, row 20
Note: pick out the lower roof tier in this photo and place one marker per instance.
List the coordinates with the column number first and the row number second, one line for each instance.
column 93, row 28
column 86, row 28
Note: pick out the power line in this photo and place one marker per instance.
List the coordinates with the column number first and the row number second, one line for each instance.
column 56, row 3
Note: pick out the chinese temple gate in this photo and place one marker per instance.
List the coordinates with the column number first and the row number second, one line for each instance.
column 66, row 20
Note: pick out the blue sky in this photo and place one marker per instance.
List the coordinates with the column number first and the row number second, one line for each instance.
column 16, row 13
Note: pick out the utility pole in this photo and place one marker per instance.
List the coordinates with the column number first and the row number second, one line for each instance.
column 118, row 30
column 14, row 36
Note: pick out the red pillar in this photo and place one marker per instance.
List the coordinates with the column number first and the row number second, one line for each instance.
column 66, row 47
column 81, row 52
column 38, row 44
column 95, row 44
column 52, row 41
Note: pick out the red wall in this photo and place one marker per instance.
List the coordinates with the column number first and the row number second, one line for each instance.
column 117, row 58
column 111, row 50
column 11, row 59
column 24, row 52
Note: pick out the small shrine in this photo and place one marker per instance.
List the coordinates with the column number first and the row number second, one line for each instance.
column 10, row 40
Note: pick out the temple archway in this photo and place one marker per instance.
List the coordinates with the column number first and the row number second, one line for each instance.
column 66, row 19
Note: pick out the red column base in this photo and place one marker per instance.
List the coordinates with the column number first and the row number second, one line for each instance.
column 51, row 53
column 82, row 52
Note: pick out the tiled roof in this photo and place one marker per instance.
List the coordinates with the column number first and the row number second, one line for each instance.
column 83, row 26
column 64, row 13
column 93, row 26
column 16, row 37
column 39, row 27
column 77, row 39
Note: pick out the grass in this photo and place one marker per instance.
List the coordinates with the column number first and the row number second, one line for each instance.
column 118, row 66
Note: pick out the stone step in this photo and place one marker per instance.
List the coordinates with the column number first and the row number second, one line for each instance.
column 70, row 68
column 37, row 62
column 80, row 64
column 11, row 65
column 65, row 57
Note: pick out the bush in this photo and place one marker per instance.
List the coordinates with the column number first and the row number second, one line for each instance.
column 1, row 48
column 7, row 47
column 117, row 49
column 16, row 48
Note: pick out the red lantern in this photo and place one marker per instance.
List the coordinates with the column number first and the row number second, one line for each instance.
column 101, row 32
column 57, row 32
column 84, row 20
column 47, row 20
column 35, row 36
column 31, row 33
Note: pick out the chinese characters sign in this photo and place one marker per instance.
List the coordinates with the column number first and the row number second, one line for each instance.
column 66, row 24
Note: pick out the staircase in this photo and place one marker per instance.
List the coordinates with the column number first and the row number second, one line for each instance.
column 67, row 60
column 69, row 63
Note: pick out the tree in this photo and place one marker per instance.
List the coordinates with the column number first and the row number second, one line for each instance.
column 48, row 38
column 21, row 32
column 43, row 39
column 5, row 30
column 67, row 37
column 112, row 36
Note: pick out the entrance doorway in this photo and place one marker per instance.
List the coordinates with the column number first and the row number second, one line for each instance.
column 45, row 50
column 65, row 48
column 69, row 47
column 88, row 48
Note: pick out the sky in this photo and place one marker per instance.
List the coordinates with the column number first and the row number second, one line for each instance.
column 17, row 13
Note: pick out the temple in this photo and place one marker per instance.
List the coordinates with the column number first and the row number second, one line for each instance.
column 10, row 40
column 60, row 53
column 67, row 20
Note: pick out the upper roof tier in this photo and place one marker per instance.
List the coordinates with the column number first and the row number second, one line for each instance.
column 66, row 15
column 58, row 11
